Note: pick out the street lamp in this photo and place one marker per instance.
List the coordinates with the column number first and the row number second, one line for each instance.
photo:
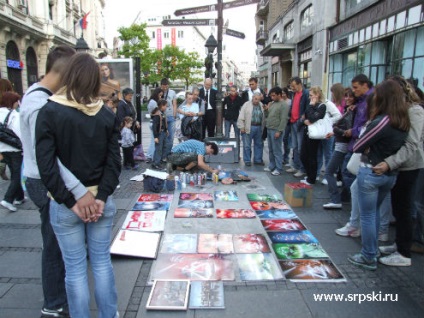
column 211, row 44
column 82, row 45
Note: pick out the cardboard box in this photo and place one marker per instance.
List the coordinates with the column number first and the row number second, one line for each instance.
column 227, row 150
column 298, row 194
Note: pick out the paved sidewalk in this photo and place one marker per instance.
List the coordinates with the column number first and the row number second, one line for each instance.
column 20, row 254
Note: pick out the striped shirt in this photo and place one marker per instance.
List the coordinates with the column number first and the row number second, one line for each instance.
column 191, row 145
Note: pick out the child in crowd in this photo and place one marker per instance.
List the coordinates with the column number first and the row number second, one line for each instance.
column 160, row 132
column 127, row 143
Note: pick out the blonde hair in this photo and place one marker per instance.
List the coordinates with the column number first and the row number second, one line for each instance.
column 316, row 90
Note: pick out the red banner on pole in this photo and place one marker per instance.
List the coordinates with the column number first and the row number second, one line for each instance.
column 173, row 37
column 159, row 39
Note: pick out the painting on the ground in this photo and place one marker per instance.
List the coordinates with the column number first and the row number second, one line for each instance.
column 312, row 270
column 226, row 196
column 299, row 251
column 235, row 214
column 250, row 243
column 260, row 266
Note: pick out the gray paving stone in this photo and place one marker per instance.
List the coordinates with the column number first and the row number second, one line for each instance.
column 20, row 237
column 4, row 288
column 20, row 265
column 404, row 307
column 20, row 217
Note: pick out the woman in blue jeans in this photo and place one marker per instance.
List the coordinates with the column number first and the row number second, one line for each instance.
column 75, row 113
column 385, row 133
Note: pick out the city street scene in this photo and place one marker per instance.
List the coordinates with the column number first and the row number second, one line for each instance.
column 217, row 158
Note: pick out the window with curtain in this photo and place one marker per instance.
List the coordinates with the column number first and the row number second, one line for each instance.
column 306, row 17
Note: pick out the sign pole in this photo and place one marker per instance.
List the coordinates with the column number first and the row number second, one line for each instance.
column 219, row 111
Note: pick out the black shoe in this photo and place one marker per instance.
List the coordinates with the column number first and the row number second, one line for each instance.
column 259, row 163
column 247, row 164
column 157, row 167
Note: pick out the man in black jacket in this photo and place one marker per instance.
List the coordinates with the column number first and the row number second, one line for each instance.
column 208, row 94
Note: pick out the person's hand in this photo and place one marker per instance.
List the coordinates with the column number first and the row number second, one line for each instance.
column 242, row 131
column 329, row 135
column 80, row 214
column 277, row 135
column 87, row 204
column 381, row 168
column 215, row 171
column 137, row 125
column 100, row 206
column 156, row 140
column 307, row 122
column 348, row 133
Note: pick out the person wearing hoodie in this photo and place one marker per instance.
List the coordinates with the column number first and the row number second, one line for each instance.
column 76, row 128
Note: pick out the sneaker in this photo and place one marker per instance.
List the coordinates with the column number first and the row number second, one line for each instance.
column 60, row 312
column 118, row 186
column 360, row 261
column 156, row 167
column 324, row 181
column 395, row 259
column 299, row 174
column 8, row 206
column 348, row 230
column 332, row 206
column 389, row 249
column 148, row 160
column 287, row 164
column 383, row 237
column 305, row 182
column 267, row 169
column 291, row 170
column 18, row 202
column 276, row 172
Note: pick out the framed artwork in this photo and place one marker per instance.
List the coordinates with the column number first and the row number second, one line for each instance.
column 117, row 74
column 169, row 295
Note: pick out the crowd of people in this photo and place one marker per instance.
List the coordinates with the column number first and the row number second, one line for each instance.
column 72, row 182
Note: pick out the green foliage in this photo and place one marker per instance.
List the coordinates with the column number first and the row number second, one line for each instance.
column 170, row 62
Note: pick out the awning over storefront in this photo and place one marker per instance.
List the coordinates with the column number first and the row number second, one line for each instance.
column 277, row 49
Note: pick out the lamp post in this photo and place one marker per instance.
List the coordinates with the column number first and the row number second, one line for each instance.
column 82, row 45
column 211, row 44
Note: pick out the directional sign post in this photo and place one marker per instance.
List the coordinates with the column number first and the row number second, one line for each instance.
column 234, row 33
column 190, row 22
column 220, row 6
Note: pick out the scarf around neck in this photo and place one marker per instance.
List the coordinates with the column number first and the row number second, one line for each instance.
column 89, row 109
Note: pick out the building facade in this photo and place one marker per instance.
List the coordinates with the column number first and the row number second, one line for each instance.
column 29, row 28
column 327, row 42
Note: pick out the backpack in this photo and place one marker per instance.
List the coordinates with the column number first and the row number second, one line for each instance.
column 8, row 136
column 152, row 184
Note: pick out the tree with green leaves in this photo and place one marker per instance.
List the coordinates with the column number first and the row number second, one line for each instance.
column 170, row 62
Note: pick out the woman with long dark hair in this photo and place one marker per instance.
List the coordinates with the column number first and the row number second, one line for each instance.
column 410, row 161
column 75, row 127
column 386, row 131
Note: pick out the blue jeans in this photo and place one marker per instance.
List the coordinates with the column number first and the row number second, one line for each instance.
column 151, row 151
column 325, row 151
column 228, row 124
column 258, row 145
column 160, row 149
column 73, row 235
column 296, row 139
column 333, row 166
column 372, row 189
column 275, row 146
column 52, row 266
column 384, row 210
column 170, row 139
column 287, row 143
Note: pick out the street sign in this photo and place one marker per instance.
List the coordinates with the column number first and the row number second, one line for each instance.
column 194, row 10
column 214, row 7
column 234, row 33
column 190, row 22
column 239, row 3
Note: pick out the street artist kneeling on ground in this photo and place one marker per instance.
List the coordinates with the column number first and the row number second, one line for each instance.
column 191, row 154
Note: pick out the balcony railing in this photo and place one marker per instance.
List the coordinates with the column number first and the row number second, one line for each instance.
column 261, row 37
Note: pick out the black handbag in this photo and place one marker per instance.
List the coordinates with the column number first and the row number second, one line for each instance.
column 8, row 136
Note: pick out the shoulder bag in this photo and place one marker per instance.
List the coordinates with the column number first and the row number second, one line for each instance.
column 320, row 128
column 354, row 162
column 8, row 136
